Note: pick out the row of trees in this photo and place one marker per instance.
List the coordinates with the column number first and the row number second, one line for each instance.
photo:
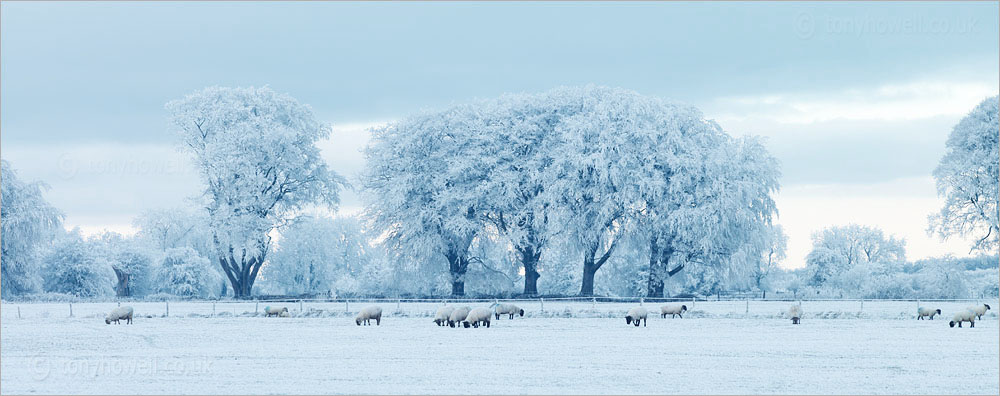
column 591, row 166
column 542, row 189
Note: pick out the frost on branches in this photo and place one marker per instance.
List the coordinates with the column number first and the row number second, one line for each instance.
column 967, row 177
column 256, row 153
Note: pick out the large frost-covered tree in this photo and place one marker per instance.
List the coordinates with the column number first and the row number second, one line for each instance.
column 422, row 184
column 28, row 222
column 838, row 250
column 968, row 178
column 256, row 152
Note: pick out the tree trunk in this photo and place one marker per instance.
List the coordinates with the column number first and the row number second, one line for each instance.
column 458, row 264
column 121, row 290
column 589, row 269
column 529, row 259
column 654, row 287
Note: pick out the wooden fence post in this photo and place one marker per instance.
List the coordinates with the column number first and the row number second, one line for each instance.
column 168, row 308
column 71, row 310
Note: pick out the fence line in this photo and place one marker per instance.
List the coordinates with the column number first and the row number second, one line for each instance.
column 550, row 306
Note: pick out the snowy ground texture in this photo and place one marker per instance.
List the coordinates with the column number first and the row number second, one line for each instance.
column 566, row 349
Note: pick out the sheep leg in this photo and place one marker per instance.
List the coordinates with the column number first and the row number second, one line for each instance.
column 644, row 322
column 512, row 316
column 487, row 325
column 498, row 315
column 663, row 315
column 972, row 324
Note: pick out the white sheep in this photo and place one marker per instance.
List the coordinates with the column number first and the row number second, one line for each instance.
column 921, row 312
column 795, row 312
column 508, row 309
column 458, row 315
column 274, row 311
column 443, row 313
column 963, row 316
column 478, row 316
column 369, row 313
column 120, row 313
column 636, row 314
column 673, row 309
column 980, row 310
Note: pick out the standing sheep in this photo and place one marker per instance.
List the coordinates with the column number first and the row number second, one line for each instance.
column 921, row 312
column 636, row 314
column 795, row 312
column 274, row 311
column 369, row 313
column 476, row 317
column 673, row 309
column 458, row 315
column 964, row 316
column 120, row 313
column 443, row 313
column 979, row 310
column 508, row 309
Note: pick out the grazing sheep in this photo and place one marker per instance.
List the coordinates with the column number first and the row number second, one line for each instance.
column 476, row 317
column 795, row 312
column 274, row 311
column 636, row 314
column 979, row 310
column 508, row 309
column 964, row 316
column 458, row 315
column 120, row 313
column 673, row 309
column 921, row 312
column 369, row 313
column 443, row 313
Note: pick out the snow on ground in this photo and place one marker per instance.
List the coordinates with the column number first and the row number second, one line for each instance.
column 250, row 354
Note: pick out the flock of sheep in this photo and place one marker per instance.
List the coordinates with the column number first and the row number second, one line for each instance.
column 468, row 317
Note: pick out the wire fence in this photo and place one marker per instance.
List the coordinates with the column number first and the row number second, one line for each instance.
column 593, row 307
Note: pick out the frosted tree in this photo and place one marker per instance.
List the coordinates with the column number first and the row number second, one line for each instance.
column 968, row 177
column 77, row 267
column 775, row 245
column 182, row 272
column 314, row 253
column 519, row 203
column 838, row 250
column 130, row 261
column 28, row 223
column 422, row 185
column 715, row 200
column 256, row 153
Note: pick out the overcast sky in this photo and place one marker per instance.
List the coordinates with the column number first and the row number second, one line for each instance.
column 856, row 99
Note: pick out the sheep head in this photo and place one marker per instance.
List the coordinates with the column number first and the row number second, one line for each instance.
column 628, row 320
column 357, row 322
column 939, row 312
column 951, row 324
column 284, row 309
column 684, row 308
column 107, row 321
column 521, row 312
column 987, row 306
column 465, row 324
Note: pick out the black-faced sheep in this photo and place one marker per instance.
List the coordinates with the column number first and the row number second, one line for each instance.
column 964, row 316
column 274, row 311
column 921, row 312
column 458, row 315
column 795, row 312
column 508, row 309
column 673, row 309
column 636, row 314
column 979, row 310
column 120, row 313
column 476, row 317
column 369, row 313
column 442, row 315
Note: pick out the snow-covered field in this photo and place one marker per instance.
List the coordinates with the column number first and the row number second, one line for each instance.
column 704, row 353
